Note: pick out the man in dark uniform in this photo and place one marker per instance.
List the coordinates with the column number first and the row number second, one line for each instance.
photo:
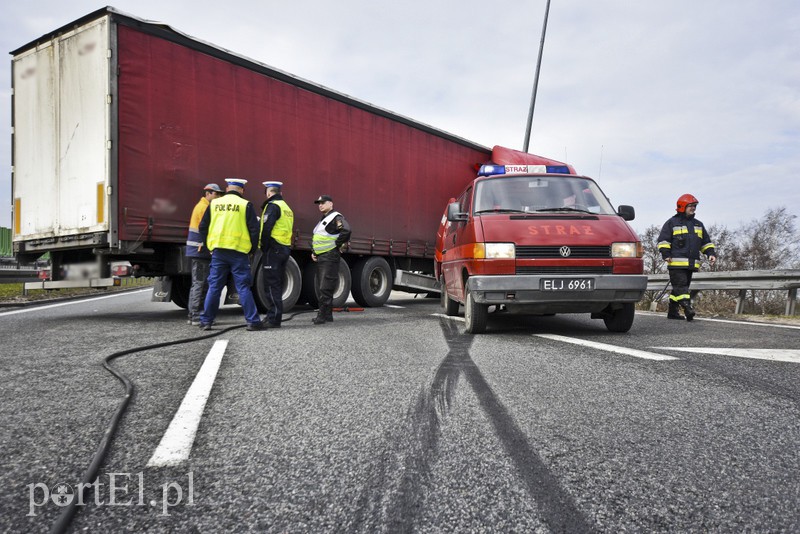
column 681, row 241
column 330, row 238
column 275, row 240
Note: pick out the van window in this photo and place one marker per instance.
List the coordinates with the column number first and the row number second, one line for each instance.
column 531, row 194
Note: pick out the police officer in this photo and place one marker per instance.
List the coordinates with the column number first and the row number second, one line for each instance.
column 275, row 240
column 330, row 238
column 681, row 241
column 230, row 231
column 199, row 255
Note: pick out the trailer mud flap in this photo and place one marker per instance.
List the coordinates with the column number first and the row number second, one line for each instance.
column 162, row 289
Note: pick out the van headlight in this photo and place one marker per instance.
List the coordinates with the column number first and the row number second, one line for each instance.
column 627, row 250
column 500, row 251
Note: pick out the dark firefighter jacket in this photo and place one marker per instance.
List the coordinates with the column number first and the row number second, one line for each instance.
column 683, row 239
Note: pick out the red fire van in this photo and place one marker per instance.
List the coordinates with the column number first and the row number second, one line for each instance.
column 530, row 236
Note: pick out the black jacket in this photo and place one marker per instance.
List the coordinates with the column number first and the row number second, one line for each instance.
column 683, row 239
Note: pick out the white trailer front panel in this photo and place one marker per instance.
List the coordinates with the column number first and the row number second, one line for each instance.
column 61, row 134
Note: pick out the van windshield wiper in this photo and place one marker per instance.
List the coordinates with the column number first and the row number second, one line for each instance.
column 563, row 209
column 500, row 210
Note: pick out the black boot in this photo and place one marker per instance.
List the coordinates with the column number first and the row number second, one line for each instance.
column 687, row 309
column 673, row 311
column 321, row 315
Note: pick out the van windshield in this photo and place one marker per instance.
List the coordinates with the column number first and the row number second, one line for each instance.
column 535, row 194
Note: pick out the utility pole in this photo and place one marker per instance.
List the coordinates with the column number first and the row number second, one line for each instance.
column 536, row 81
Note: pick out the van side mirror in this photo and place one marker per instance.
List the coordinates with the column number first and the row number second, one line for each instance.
column 453, row 213
column 626, row 212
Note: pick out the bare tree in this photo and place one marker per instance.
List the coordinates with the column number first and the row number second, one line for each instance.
column 772, row 242
column 653, row 264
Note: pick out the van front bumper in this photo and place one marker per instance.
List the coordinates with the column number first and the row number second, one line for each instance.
column 555, row 289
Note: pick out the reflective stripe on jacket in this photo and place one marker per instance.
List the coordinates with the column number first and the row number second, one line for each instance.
column 194, row 239
column 228, row 226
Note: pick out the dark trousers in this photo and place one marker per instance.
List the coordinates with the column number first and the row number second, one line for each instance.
column 274, row 270
column 680, row 279
column 197, row 294
column 223, row 262
column 327, row 280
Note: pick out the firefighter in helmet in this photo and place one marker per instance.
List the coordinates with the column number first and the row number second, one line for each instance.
column 681, row 241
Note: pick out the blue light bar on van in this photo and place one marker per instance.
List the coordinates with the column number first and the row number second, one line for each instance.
column 493, row 170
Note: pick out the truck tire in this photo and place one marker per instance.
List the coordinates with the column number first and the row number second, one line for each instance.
column 181, row 285
column 621, row 319
column 475, row 315
column 340, row 295
column 292, row 282
column 450, row 306
column 372, row 282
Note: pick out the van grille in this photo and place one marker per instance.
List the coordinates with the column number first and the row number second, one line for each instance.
column 532, row 269
column 555, row 252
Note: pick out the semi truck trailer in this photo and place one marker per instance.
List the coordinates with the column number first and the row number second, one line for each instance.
column 119, row 122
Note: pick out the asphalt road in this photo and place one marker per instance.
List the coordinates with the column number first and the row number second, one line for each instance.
column 394, row 420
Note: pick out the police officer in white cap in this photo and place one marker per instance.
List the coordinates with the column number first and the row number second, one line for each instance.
column 275, row 241
column 230, row 231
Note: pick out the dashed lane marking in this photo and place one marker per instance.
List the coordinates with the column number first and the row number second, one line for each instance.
column 609, row 348
column 394, row 306
column 176, row 444
column 775, row 355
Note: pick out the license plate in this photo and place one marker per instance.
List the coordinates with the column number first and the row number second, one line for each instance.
column 566, row 284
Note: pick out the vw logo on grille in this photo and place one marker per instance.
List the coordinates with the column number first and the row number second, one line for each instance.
column 564, row 251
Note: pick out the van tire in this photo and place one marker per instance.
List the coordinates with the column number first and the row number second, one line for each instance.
column 621, row 319
column 475, row 315
column 340, row 294
column 371, row 282
column 450, row 306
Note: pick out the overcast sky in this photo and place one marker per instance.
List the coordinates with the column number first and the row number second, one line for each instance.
column 652, row 99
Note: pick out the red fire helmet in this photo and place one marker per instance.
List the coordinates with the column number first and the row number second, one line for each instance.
column 684, row 201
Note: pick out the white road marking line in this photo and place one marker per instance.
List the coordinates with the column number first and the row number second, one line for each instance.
column 176, row 444
column 728, row 321
column 451, row 317
column 609, row 348
column 394, row 306
column 775, row 355
column 78, row 301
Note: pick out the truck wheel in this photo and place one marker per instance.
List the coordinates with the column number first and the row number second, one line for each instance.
column 450, row 306
column 372, row 281
column 475, row 315
column 291, row 287
column 341, row 293
column 621, row 319
column 181, row 285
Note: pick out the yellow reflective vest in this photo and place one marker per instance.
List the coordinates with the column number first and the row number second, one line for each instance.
column 228, row 226
column 282, row 231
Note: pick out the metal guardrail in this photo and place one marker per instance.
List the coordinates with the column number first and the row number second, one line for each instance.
column 742, row 281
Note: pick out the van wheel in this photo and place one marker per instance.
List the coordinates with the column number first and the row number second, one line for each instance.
column 372, row 281
column 450, row 306
column 292, row 282
column 340, row 294
column 621, row 319
column 475, row 315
